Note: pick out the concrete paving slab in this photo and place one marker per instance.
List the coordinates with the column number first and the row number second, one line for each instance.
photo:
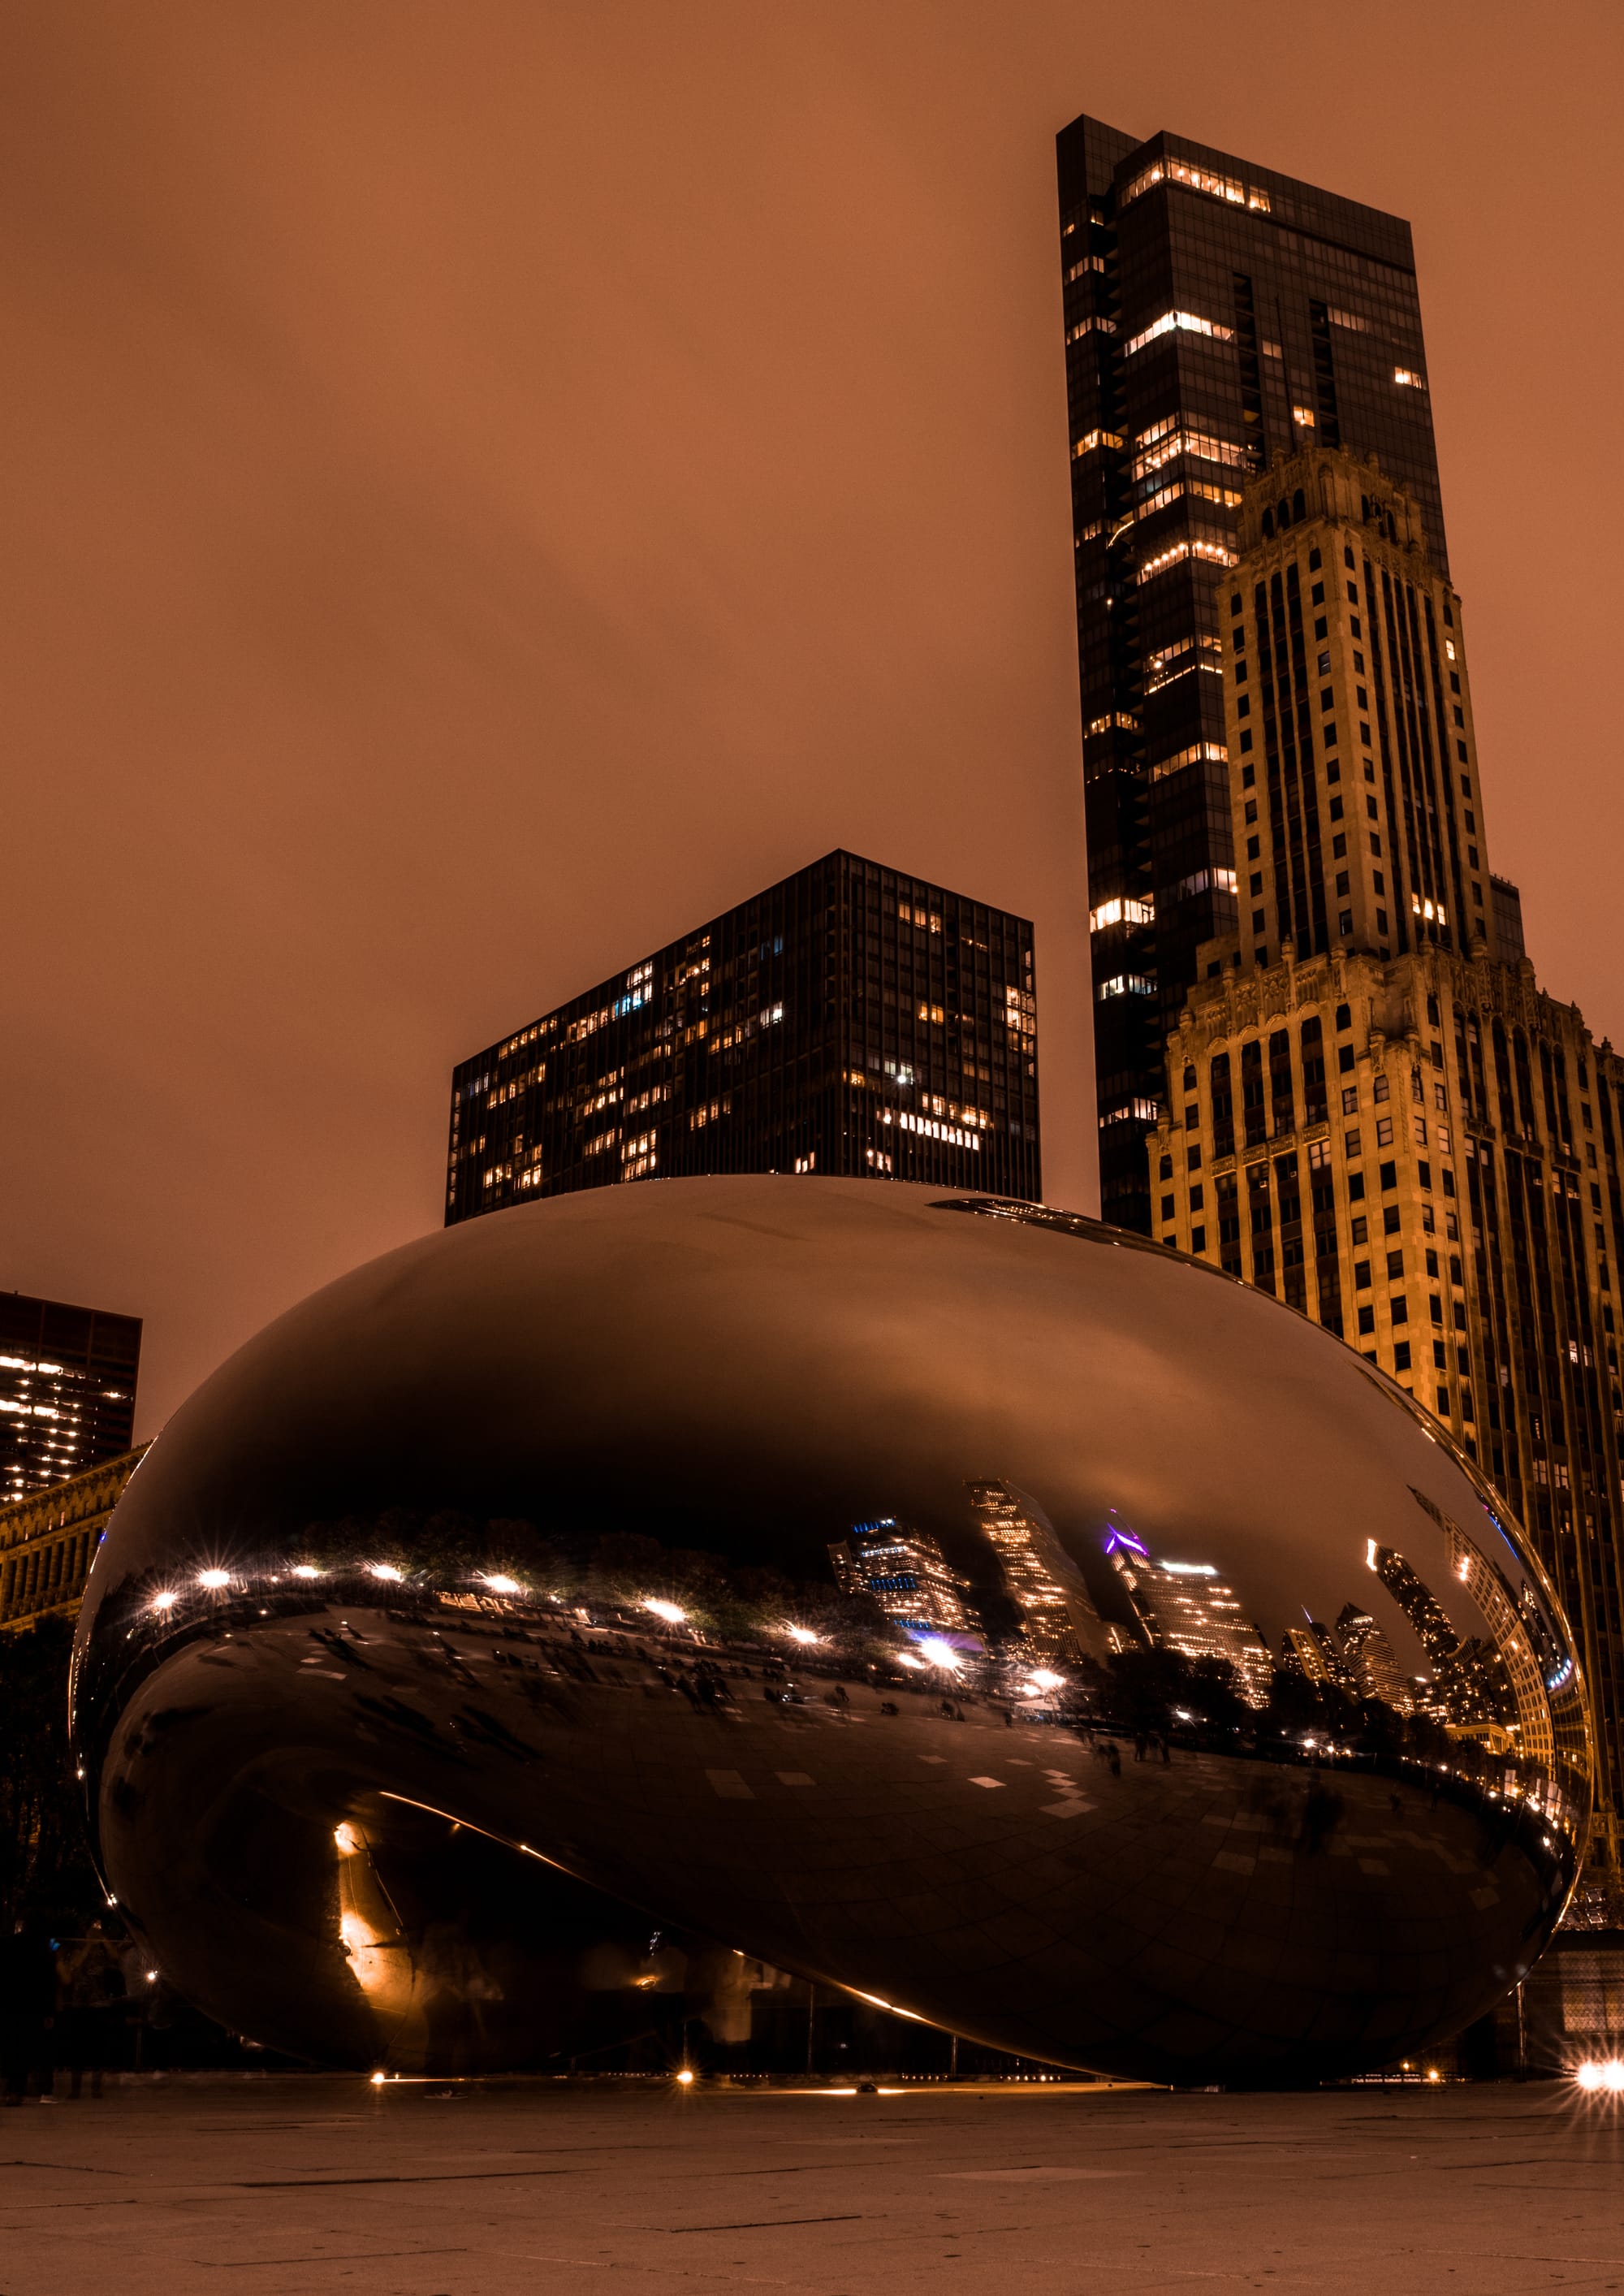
column 300, row 2187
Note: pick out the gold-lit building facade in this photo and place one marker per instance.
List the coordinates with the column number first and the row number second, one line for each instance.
column 1373, row 1110
column 48, row 1542
column 904, row 1570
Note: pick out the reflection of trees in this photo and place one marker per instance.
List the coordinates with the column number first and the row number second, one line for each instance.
column 616, row 1571
column 444, row 1545
column 45, row 1868
column 1160, row 1690
column 1154, row 1689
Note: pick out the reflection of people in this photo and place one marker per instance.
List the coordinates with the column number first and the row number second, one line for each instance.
column 90, row 1988
column 28, row 2010
column 1320, row 1813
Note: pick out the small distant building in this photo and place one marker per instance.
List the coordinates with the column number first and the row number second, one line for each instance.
column 66, row 1389
column 48, row 1542
column 906, row 1572
column 851, row 1020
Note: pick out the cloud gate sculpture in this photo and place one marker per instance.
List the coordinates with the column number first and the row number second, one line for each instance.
column 949, row 1600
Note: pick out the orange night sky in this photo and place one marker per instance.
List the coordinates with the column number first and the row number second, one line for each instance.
column 489, row 486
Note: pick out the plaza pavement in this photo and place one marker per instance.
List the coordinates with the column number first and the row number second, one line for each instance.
column 288, row 2184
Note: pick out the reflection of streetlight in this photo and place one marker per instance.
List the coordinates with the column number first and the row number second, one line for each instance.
column 309, row 1571
column 1045, row 1680
column 214, row 1578
column 802, row 1635
column 500, row 1582
column 672, row 1613
column 386, row 1571
column 940, row 1653
column 906, row 1658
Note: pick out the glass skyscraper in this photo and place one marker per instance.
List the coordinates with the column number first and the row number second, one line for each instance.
column 1219, row 316
column 66, row 1390
column 852, row 1019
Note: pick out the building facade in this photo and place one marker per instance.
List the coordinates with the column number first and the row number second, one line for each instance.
column 905, row 1572
column 1219, row 316
column 1374, row 1111
column 48, row 1542
column 66, row 1390
column 851, row 1020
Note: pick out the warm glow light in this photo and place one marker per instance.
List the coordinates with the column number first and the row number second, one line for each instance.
column 348, row 1840
column 214, row 1578
column 377, row 2080
column 1045, row 1680
column 906, row 1658
column 1432, row 2074
column 684, row 2079
column 671, row 1612
column 309, row 1571
column 1599, row 2074
column 940, row 1653
column 385, row 1570
column 165, row 1602
column 802, row 1635
column 500, row 1582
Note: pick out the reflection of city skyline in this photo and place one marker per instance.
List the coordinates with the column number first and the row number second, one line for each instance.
column 1489, row 1688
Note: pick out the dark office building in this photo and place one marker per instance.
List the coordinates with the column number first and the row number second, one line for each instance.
column 66, row 1390
column 1217, row 316
column 850, row 1021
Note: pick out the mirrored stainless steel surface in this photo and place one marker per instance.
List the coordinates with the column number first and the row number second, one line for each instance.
column 954, row 1602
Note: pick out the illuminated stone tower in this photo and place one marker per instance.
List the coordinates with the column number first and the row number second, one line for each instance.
column 1374, row 1111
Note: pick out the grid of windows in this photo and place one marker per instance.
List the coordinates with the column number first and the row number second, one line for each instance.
column 1458, row 1216
column 66, row 1390
column 1263, row 323
column 851, row 1020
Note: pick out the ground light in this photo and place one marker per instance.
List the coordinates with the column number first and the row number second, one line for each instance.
column 1602, row 2076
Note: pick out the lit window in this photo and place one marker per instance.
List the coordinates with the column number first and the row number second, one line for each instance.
column 1211, row 753
column 1126, row 911
column 1125, row 984
column 1092, row 441
column 1161, row 444
column 1303, row 416
column 1228, row 188
column 1409, row 378
column 1184, row 322
column 1205, row 881
column 1182, row 487
column 1217, row 553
